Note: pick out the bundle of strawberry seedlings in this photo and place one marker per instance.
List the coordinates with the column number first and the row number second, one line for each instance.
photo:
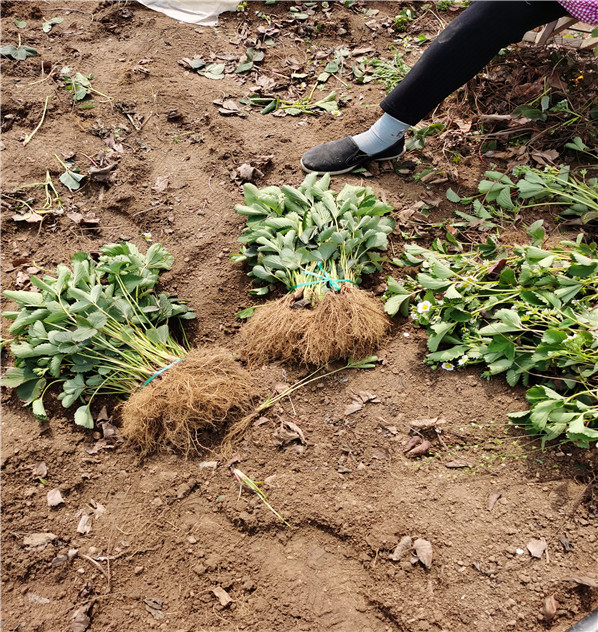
column 527, row 312
column 101, row 327
column 318, row 244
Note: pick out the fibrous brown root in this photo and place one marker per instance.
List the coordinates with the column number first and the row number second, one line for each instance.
column 346, row 324
column 202, row 391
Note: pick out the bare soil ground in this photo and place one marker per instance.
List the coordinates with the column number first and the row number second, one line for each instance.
column 171, row 538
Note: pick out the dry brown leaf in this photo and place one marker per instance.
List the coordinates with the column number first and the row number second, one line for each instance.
column 457, row 464
column 288, row 432
column 222, row 595
column 413, row 441
column 403, row 547
column 421, row 449
column 111, row 143
column 491, row 500
column 111, row 437
column 247, row 172
column 549, row 608
column 495, row 268
column 161, row 184
column 84, row 525
column 504, row 155
column 583, row 580
column 555, row 81
column 536, row 547
column 545, row 158
column 422, row 424
column 81, row 619
column 212, row 465
column 31, row 218
column 353, row 408
column 431, row 200
column 564, row 540
column 97, row 508
column 265, row 83
column 75, row 217
column 230, row 105
column 38, row 539
column 235, row 458
column 293, row 427
column 366, row 396
column 464, row 126
column 59, row 560
column 424, row 551
column 22, row 279
column 154, row 607
column 55, row 498
column 526, row 91
column 364, row 50
column 412, row 214
column 102, row 444
column 110, row 431
column 40, row 470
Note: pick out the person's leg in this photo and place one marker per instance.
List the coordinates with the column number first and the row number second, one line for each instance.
column 467, row 44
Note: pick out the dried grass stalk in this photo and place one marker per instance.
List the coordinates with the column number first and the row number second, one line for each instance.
column 346, row 324
column 206, row 389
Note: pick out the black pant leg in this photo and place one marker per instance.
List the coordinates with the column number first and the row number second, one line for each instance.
column 462, row 49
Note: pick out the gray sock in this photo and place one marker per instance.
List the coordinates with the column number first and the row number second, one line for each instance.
column 386, row 131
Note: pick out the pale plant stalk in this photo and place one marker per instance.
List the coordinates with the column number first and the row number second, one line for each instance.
column 245, row 481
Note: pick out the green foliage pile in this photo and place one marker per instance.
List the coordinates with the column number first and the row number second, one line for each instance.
column 530, row 314
column 388, row 72
column 530, row 187
column 303, row 105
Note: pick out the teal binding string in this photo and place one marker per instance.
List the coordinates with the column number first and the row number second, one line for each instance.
column 334, row 283
column 159, row 372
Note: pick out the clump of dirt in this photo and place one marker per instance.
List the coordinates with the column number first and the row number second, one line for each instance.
column 349, row 323
column 203, row 391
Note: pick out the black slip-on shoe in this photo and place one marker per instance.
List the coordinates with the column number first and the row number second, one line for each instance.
column 342, row 156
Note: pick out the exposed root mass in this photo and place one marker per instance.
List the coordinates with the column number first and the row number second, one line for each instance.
column 202, row 391
column 346, row 324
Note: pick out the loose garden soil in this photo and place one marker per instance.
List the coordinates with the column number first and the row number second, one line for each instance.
column 173, row 545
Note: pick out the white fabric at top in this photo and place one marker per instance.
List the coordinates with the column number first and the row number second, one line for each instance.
column 204, row 12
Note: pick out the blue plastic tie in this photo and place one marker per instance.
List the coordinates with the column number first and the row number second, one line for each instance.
column 149, row 379
column 334, row 283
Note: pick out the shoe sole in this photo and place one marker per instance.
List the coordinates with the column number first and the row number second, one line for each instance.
column 348, row 170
